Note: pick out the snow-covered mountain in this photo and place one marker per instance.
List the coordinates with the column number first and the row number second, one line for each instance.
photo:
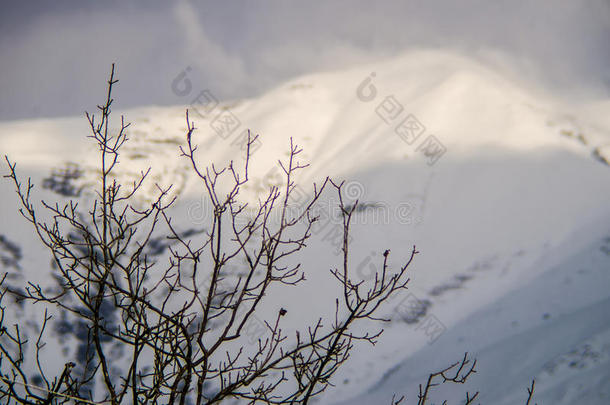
column 504, row 189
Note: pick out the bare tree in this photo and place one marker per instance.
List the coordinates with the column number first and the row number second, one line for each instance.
column 180, row 341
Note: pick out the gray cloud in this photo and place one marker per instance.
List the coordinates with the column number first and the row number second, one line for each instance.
column 54, row 60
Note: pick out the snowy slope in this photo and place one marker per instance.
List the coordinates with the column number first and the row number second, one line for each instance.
column 555, row 328
column 516, row 205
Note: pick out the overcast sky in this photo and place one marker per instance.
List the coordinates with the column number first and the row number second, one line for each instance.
column 55, row 55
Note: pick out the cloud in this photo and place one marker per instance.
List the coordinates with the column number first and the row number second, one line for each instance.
column 54, row 61
column 199, row 50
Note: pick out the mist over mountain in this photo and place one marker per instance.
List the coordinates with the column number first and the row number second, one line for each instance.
column 54, row 54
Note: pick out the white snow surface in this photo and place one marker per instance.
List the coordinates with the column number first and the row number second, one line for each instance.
column 512, row 221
